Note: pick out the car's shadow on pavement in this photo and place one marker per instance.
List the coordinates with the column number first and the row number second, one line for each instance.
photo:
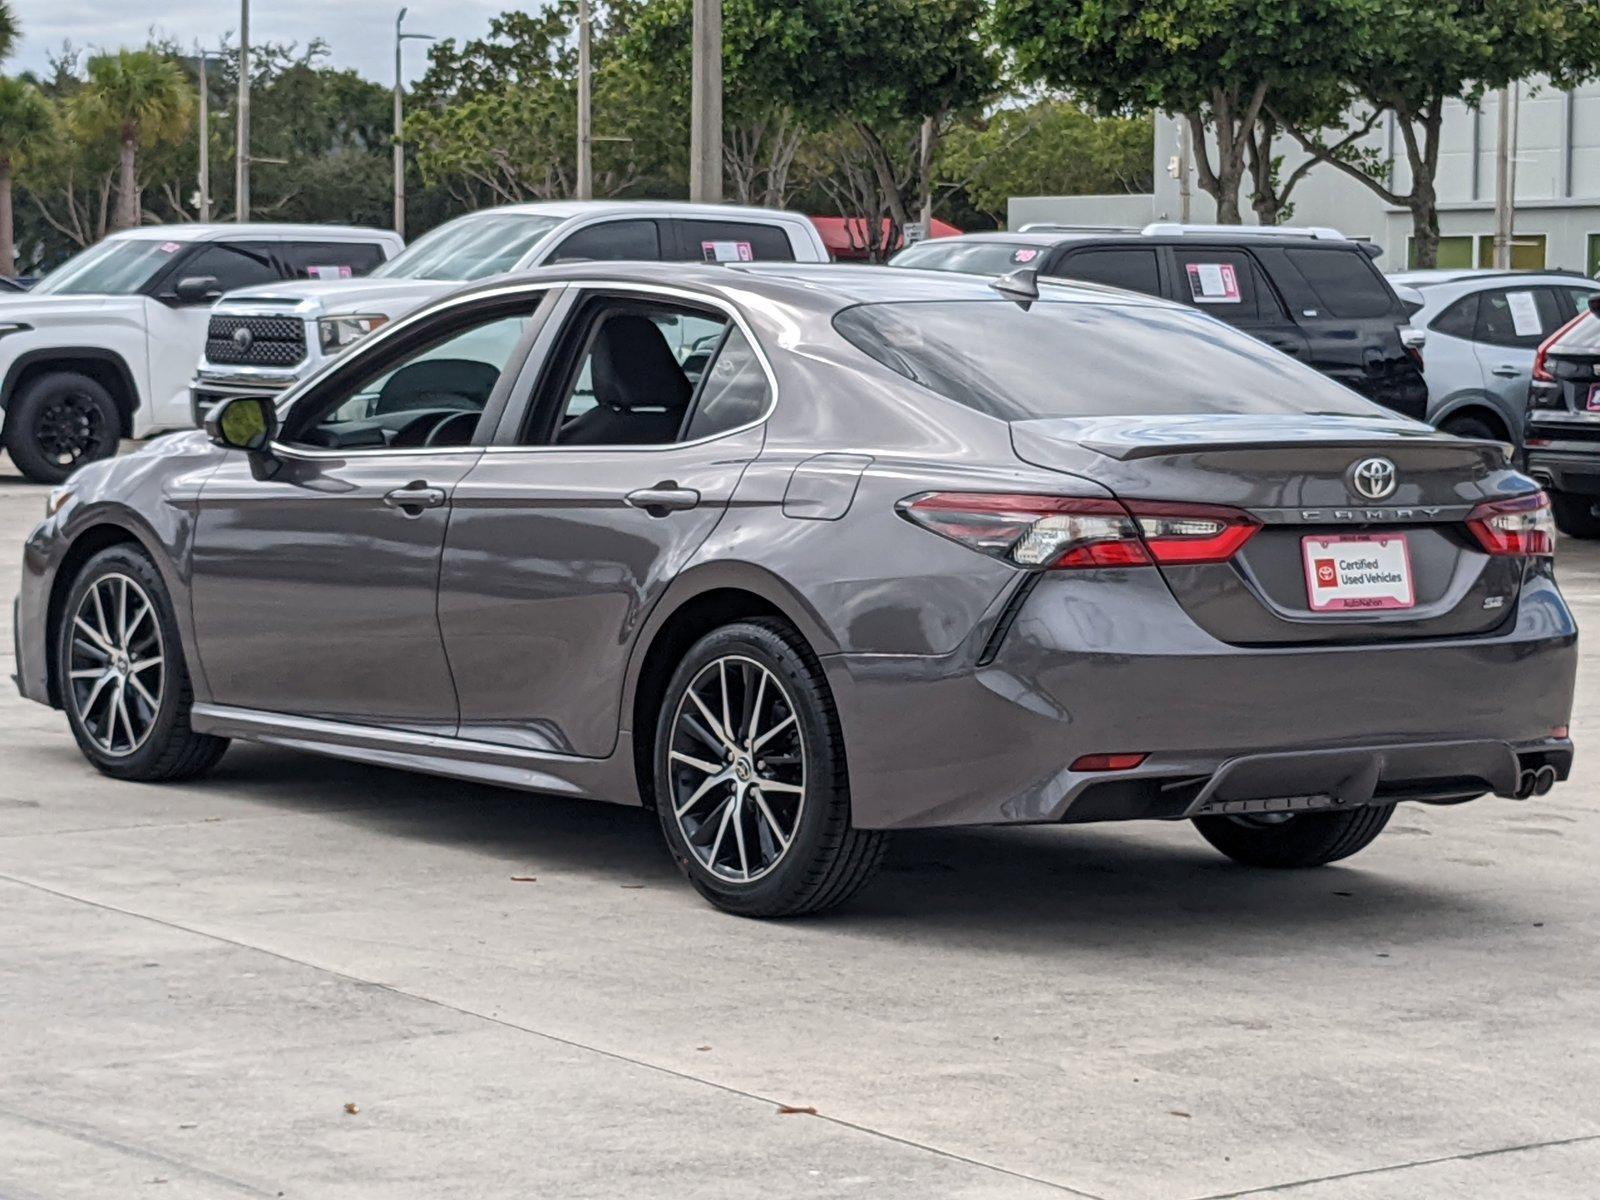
column 1016, row 889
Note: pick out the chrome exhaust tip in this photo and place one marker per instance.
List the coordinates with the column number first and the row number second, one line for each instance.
column 1543, row 780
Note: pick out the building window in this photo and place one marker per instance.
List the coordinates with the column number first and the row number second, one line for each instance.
column 1454, row 252
column 1527, row 251
column 1592, row 257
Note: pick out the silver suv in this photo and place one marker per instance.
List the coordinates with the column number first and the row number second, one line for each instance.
column 263, row 339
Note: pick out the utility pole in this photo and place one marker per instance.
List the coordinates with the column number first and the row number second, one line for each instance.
column 241, row 165
column 1185, row 159
column 705, row 102
column 400, row 39
column 585, row 183
column 203, row 176
column 1504, row 185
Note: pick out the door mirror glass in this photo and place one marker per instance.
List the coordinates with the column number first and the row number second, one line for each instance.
column 196, row 289
column 243, row 423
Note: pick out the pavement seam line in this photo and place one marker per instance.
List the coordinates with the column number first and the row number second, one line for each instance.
column 614, row 1055
column 1465, row 1156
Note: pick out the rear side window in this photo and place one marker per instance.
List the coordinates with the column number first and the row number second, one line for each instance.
column 233, row 264
column 330, row 260
column 733, row 241
column 732, row 392
column 972, row 258
column 1459, row 320
column 1062, row 359
column 1227, row 284
column 1345, row 281
column 1132, row 269
column 612, row 241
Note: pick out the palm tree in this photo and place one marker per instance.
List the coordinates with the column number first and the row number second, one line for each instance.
column 27, row 125
column 142, row 100
column 8, row 30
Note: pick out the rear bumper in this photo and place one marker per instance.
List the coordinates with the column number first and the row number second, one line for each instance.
column 1096, row 666
column 1566, row 467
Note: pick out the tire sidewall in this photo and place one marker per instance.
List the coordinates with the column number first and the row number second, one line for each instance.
column 22, row 418
column 124, row 560
column 826, row 788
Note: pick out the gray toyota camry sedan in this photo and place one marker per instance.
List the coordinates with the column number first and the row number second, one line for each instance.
column 799, row 555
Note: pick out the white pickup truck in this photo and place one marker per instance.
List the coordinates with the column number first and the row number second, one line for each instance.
column 104, row 346
column 263, row 340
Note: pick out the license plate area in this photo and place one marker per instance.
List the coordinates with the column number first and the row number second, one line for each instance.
column 1592, row 403
column 1369, row 572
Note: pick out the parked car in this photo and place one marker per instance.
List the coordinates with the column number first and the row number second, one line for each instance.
column 104, row 346
column 1311, row 293
column 1483, row 329
column 801, row 554
column 1563, row 422
column 290, row 330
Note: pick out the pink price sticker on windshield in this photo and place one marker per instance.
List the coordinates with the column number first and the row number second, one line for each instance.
column 168, row 247
column 1025, row 255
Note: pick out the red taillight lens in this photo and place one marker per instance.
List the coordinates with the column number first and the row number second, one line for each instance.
column 1066, row 533
column 1541, row 366
column 1523, row 527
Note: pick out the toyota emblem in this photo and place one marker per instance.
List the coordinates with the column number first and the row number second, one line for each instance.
column 243, row 338
column 1374, row 478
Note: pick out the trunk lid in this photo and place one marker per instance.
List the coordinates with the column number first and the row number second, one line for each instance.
column 1296, row 476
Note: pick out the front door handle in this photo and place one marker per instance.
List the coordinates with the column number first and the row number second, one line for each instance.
column 414, row 498
column 1507, row 371
column 666, row 497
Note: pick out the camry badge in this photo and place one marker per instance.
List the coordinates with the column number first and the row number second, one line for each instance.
column 1374, row 478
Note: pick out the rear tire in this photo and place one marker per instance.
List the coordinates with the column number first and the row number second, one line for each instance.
column 1575, row 515
column 58, row 422
column 122, row 680
column 779, row 852
column 1299, row 840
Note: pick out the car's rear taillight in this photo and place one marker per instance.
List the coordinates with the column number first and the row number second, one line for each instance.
column 1541, row 365
column 1067, row 533
column 1523, row 527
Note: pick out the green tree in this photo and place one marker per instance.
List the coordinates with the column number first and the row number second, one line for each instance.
column 27, row 128
column 1050, row 147
column 1410, row 58
column 1214, row 62
column 9, row 29
column 142, row 101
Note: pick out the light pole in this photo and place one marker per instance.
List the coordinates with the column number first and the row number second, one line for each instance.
column 705, row 102
column 585, row 182
column 241, row 165
column 400, row 39
column 201, row 62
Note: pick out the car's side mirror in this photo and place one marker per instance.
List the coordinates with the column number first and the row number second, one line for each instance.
column 196, row 289
column 246, row 423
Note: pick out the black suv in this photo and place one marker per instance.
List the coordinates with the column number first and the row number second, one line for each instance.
column 1312, row 293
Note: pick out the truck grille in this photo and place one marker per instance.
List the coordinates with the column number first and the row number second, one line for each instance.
column 256, row 341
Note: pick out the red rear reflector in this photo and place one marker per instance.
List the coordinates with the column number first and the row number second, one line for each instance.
column 1521, row 527
column 1072, row 533
column 1560, row 731
column 1108, row 762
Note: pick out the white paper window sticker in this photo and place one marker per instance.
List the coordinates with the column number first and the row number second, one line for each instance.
column 335, row 272
column 1213, row 283
column 1524, row 314
column 728, row 251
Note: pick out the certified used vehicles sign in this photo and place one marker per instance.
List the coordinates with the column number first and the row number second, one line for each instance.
column 1365, row 571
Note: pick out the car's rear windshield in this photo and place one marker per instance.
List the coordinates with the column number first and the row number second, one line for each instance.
column 469, row 248
column 1074, row 359
column 1582, row 338
column 117, row 267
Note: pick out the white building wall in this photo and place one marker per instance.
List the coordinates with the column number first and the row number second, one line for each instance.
column 1558, row 181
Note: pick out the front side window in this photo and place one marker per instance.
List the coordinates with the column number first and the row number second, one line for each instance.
column 1132, row 269
column 1224, row 283
column 1515, row 318
column 113, row 268
column 432, row 393
column 612, row 241
column 469, row 248
column 232, row 264
column 1068, row 359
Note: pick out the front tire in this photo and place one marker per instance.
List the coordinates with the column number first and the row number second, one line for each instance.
column 1575, row 515
column 1295, row 839
column 58, row 422
column 750, row 779
column 121, row 674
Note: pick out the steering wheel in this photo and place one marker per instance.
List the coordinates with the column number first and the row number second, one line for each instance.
column 457, row 425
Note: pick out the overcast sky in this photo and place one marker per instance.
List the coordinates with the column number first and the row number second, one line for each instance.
column 359, row 33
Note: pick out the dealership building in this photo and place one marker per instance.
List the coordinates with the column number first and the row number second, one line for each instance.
column 1557, row 164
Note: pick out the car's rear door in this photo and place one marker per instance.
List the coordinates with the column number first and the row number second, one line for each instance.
column 315, row 583
column 617, row 457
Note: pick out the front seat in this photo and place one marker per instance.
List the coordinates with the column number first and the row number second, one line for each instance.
column 640, row 391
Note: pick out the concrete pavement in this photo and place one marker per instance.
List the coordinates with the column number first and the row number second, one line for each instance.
column 196, row 981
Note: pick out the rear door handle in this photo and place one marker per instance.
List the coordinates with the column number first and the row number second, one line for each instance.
column 666, row 497
column 414, row 498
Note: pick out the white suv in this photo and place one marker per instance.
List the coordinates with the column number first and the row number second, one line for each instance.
column 105, row 346
column 264, row 339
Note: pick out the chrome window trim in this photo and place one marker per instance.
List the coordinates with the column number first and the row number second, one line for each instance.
column 554, row 287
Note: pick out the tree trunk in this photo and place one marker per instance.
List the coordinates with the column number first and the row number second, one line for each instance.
column 127, row 185
column 8, row 246
column 1424, row 226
